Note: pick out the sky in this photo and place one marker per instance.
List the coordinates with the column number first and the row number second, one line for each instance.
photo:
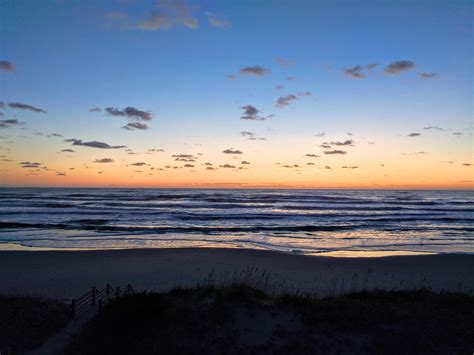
column 290, row 94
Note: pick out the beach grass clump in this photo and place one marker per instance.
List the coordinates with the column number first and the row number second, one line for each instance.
column 26, row 321
column 242, row 319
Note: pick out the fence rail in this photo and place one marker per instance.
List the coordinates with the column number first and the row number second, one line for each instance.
column 95, row 299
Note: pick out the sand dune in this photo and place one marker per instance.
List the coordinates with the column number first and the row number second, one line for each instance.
column 70, row 273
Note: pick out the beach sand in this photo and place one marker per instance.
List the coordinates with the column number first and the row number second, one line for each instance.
column 64, row 274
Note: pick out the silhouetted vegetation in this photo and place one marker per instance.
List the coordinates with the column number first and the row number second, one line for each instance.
column 25, row 322
column 241, row 319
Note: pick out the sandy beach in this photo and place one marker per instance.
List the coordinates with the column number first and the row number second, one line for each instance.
column 65, row 274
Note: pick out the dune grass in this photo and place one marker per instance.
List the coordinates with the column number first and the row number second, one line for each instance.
column 25, row 322
column 242, row 319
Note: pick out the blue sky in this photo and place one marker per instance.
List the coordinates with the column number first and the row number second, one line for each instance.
column 70, row 56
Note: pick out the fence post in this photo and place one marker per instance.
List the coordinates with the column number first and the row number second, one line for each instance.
column 108, row 289
column 93, row 295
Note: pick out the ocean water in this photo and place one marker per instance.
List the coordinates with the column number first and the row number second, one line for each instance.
column 301, row 221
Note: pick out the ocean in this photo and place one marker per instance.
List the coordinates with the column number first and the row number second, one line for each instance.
column 297, row 221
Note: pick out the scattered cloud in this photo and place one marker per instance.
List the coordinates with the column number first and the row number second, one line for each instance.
column 93, row 144
column 327, row 167
column 436, row 128
column 398, row 67
column 104, row 160
column 312, row 155
column 54, row 135
column 255, row 70
column 30, row 165
column 228, row 166
column 359, row 71
column 247, row 134
column 244, row 162
column 320, row 134
column 457, row 134
column 6, row 66
column 231, row 77
column 291, row 78
column 139, row 163
column 279, row 87
column 350, row 167
column 252, row 113
column 95, row 109
column 231, row 151
column 9, row 123
column 325, row 145
column 284, row 101
column 188, row 165
column 217, row 20
column 335, row 151
column 131, row 126
column 156, row 150
column 414, row 134
column 347, row 142
column 184, row 157
column 427, row 76
column 467, row 164
column 130, row 112
column 67, row 151
column 21, row 106
column 168, row 14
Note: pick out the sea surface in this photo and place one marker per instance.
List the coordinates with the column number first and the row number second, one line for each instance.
column 298, row 221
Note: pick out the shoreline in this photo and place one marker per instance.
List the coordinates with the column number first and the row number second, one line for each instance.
column 63, row 274
column 342, row 253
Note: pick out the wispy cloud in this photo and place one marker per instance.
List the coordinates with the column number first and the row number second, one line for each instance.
column 312, row 155
column 427, row 76
column 104, row 160
column 93, row 144
column 30, row 165
column 167, row 14
column 10, row 123
column 435, row 128
column 217, row 21
column 414, row 134
column 398, row 67
column 20, row 106
column 228, row 166
column 255, row 70
column 231, row 151
column 284, row 62
column 335, row 151
column 359, row 71
column 131, row 126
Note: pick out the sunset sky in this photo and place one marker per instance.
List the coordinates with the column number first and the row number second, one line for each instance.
column 324, row 94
